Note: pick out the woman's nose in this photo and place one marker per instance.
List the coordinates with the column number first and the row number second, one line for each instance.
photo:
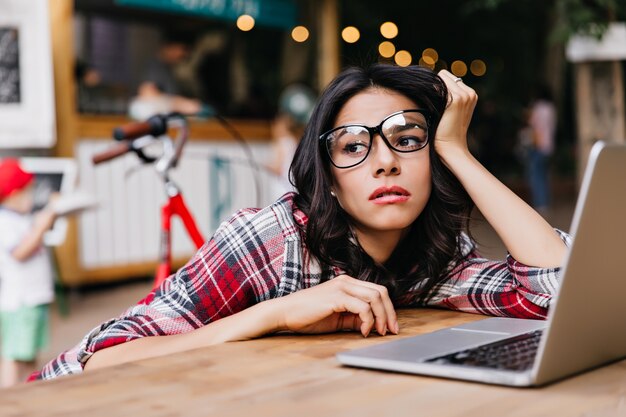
column 384, row 160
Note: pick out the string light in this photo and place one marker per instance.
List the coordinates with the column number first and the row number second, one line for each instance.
column 430, row 56
column 300, row 34
column 478, row 67
column 403, row 58
column 428, row 64
column 350, row 34
column 245, row 22
column 389, row 30
column 386, row 49
column 458, row 68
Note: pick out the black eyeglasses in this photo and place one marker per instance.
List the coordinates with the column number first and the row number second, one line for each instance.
column 404, row 131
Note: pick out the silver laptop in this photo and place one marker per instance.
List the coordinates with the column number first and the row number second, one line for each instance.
column 586, row 324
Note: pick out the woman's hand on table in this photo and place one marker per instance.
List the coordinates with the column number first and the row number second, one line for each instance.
column 343, row 303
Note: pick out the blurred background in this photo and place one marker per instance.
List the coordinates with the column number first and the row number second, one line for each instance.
column 71, row 71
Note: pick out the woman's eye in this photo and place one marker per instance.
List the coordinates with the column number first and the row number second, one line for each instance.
column 409, row 142
column 355, row 147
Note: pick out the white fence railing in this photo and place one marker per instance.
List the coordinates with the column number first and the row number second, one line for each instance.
column 215, row 178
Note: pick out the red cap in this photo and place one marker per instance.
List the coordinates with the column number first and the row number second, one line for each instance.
column 12, row 177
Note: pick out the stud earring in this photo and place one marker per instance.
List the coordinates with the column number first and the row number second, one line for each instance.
column 333, row 193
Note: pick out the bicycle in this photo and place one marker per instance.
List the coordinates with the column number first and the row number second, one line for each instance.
column 135, row 137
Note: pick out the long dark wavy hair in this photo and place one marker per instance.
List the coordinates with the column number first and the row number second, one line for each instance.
column 431, row 249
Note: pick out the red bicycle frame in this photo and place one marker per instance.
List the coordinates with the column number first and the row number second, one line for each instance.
column 134, row 137
column 175, row 206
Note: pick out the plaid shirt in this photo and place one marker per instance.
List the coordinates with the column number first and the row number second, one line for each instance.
column 259, row 254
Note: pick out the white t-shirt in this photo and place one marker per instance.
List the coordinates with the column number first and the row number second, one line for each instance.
column 27, row 283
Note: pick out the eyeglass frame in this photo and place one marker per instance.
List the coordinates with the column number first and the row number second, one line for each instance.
column 372, row 130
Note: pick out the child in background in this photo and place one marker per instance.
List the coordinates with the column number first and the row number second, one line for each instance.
column 26, row 278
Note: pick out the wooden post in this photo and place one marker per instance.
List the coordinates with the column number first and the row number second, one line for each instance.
column 62, row 40
column 600, row 108
column 328, row 46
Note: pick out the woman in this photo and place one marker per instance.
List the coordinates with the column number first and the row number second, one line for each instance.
column 385, row 184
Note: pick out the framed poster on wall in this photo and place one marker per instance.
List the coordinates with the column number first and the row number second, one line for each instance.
column 26, row 82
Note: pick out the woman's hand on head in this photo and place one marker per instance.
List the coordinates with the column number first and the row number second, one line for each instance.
column 451, row 133
column 343, row 303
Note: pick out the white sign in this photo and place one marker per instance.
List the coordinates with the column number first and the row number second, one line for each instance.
column 26, row 86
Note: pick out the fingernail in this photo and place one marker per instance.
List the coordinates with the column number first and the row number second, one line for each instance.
column 396, row 327
column 385, row 330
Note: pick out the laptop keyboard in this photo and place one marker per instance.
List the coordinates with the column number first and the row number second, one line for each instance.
column 514, row 354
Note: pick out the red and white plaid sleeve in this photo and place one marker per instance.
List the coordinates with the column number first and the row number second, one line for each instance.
column 240, row 266
column 498, row 288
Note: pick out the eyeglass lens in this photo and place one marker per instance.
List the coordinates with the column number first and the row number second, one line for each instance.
column 349, row 145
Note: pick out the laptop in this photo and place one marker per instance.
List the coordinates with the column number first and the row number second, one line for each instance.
column 586, row 325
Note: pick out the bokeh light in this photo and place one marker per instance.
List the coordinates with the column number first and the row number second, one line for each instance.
column 458, row 68
column 389, row 30
column 478, row 67
column 403, row 58
column 430, row 56
column 386, row 49
column 350, row 34
column 245, row 22
column 423, row 63
column 428, row 60
column 300, row 34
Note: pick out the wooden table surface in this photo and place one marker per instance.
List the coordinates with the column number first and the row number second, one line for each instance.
column 299, row 376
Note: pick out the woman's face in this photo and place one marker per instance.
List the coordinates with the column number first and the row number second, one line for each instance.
column 388, row 190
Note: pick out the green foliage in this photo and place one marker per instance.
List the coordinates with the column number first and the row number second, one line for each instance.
column 586, row 17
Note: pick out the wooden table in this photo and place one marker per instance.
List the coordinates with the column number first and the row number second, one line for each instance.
column 299, row 376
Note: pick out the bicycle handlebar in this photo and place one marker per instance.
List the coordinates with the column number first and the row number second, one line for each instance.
column 154, row 126
column 111, row 153
column 136, row 136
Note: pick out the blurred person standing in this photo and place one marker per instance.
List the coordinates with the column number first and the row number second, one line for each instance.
column 26, row 275
column 295, row 106
column 160, row 91
column 542, row 120
column 89, row 87
column 161, row 69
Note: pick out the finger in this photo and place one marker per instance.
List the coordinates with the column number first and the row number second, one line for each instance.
column 446, row 75
column 349, row 321
column 467, row 91
column 455, row 92
column 390, row 312
column 392, row 318
column 363, row 310
column 449, row 78
column 456, row 84
column 374, row 299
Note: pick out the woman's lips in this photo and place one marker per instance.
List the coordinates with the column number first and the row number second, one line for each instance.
column 389, row 195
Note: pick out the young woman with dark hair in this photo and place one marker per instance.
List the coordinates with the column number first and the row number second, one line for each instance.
column 385, row 187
